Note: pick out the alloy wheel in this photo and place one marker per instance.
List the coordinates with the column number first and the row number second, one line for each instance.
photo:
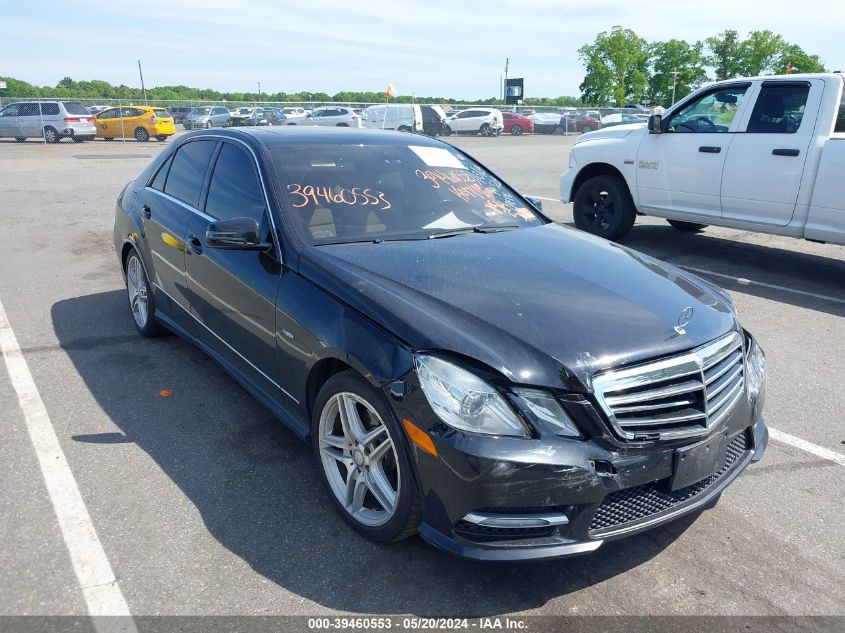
column 359, row 459
column 136, row 287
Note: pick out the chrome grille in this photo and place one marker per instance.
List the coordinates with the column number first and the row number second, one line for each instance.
column 682, row 396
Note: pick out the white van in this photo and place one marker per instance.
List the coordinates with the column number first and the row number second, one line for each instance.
column 404, row 117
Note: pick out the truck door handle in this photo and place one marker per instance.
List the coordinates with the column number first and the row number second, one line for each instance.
column 195, row 244
column 146, row 211
column 785, row 152
column 709, row 149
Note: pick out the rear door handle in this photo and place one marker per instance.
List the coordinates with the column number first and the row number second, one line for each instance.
column 709, row 149
column 195, row 244
column 785, row 152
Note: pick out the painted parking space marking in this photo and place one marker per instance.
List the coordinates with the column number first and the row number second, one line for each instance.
column 750, row 282
column 809, row 447
column 92, row 568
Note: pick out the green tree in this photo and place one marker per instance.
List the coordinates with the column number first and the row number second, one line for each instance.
column 675, row 56
column 617, row 67
column 758, row 53
column 801, row 61
column 724, row 54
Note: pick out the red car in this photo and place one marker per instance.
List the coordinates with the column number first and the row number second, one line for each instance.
column 517, row 124
column 578, row 122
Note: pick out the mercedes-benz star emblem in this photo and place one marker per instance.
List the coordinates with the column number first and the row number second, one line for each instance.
column 683, row 320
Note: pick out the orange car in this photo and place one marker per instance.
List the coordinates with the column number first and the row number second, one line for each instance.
column 141, row 122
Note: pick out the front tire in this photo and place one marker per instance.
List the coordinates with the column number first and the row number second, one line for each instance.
column 602, row 206
column 687, row 227
column 558, row 131
column 447, row 131
column 358, row 448
column 20, row 139
column 142, row 135
column 141, row 300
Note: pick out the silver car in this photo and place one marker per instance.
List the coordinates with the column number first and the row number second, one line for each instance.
column 207, row 117
column 50, row 120
column 331, row 116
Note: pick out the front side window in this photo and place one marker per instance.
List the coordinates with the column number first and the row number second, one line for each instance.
column 29, row 109
column 710, row 113
column 187, row 171
column 111, row 113
column 11, row 110
column 354, row 193
column 235, row 191
column 779, row 108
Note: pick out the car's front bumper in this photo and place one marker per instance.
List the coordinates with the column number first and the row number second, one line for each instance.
column 588, row 491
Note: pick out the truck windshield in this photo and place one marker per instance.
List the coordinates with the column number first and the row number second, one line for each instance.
column 356, row 193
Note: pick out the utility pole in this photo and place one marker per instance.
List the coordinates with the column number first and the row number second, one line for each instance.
column 140, row 72
column 259, row 92
column 505, row 87
column 674, row 82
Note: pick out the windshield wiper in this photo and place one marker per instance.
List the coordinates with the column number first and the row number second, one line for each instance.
column 486, row 228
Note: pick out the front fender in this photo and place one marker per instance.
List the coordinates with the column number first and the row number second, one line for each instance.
column 601, row 155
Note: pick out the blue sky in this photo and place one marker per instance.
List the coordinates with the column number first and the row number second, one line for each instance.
column 436, row 48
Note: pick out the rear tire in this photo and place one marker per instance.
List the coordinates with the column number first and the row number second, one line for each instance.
column 142, row 135
column 396, row 512
column 485, row 130
column 51, row 135
column 602, row 205
column 20, row 139
column 516, row 130
column 687, row 227
column 78, row 139
column 162, row 137
column 558, row 131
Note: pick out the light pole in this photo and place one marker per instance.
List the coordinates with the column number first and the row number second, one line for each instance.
column 674, row 82
column 140, row 72
column 259, row 92
column 505, row 88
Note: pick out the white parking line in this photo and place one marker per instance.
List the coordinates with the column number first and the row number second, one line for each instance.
column 99, row 586
column 749, row 282
column 809, row 447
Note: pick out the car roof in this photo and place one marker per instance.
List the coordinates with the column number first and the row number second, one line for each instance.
column 285, row 136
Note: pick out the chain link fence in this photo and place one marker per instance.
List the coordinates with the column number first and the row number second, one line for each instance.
column 50, row 120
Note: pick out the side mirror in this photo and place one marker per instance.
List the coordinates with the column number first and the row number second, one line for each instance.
column 538, row 204
column 235, row 234
column 655, row 124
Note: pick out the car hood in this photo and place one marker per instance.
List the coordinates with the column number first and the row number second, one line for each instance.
column 614, row 131
column 546, row 306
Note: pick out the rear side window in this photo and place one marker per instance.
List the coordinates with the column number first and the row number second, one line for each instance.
column 163, row 113
column 52, row 109
column 840, row 118
column 779, row 108
column 187, row 171
column 74, row 107
column 235, row 191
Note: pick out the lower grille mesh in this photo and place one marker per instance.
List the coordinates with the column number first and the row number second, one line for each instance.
column 633, row 504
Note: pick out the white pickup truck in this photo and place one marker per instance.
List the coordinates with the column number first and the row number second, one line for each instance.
column 762, row 154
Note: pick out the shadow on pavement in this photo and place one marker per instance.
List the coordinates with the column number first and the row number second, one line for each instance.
column 257, row 488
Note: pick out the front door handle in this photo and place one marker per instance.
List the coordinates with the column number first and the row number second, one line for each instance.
column 785, row 152
column 195, row 244
column 709, row 149
column 147, row 212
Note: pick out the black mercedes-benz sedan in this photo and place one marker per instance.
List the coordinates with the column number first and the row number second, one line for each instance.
column 464, row 368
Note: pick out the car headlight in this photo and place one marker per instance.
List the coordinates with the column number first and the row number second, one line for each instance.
column 756, row 364
column 545, row 407
column 464, row 401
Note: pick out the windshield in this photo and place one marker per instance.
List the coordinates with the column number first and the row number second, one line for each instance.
column 354, row 193
column 244, row 110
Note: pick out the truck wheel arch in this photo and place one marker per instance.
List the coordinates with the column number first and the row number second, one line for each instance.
column 598, row 169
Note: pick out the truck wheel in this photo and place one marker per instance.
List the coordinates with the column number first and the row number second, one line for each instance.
column 603, row 206
column 687, row 227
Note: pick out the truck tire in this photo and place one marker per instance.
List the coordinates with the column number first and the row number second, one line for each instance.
column 602, row 205
column 687, row 227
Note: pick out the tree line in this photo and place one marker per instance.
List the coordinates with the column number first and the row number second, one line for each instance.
column 68, row 88
column 622, row 67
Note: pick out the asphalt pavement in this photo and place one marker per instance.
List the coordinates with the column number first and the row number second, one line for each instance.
column 205, row 504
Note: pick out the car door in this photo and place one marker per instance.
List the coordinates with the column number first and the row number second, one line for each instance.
column 29, row 119
column 233, row 292
column 330, row 117
column 680, row 170
column 765, row 165
column 131, row 120
column 108, row 123
column 463, row 122
column 168, row 204
column 9, row 125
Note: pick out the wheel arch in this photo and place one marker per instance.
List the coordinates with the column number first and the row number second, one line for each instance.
column 598, row 169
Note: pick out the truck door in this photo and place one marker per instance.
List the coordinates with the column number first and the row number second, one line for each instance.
column 765, row 164
column 680, row 170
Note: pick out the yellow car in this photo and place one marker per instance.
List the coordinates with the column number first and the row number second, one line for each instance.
column 141, row 122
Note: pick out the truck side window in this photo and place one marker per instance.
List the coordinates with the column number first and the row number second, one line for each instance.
column 840, row 118
column 711, row 113
column 779, row 108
